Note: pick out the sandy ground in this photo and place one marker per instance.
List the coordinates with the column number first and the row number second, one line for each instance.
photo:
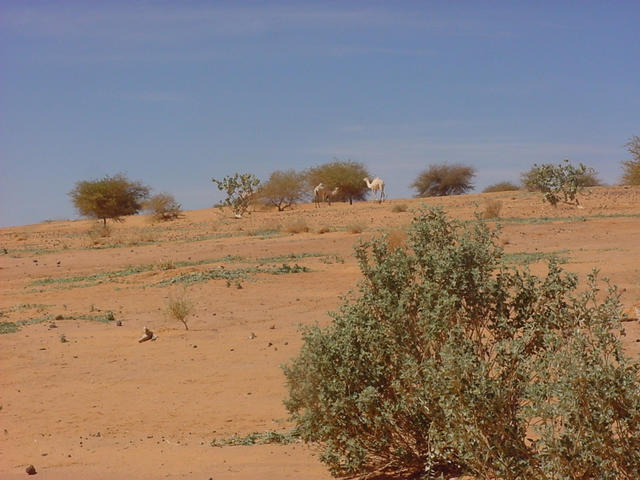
column 100, row 405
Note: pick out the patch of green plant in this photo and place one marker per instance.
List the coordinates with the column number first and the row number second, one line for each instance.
column 232, row 276
column 266, row 233
column 284, row 269
column 12, row 327
column 95, row 277
column 25, row 306
column 291, row 256
column 447, row 362
column 9, row 327
column 541, row 220
column 258, row 438
column 330, row 259
column 526, row 258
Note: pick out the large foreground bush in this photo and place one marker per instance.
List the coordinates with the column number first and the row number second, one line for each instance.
column 447, row 363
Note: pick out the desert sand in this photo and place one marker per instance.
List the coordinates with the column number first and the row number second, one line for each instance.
column 81, row 398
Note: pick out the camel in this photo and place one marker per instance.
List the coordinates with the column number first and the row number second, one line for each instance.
column 374, row 186
column 322, row 194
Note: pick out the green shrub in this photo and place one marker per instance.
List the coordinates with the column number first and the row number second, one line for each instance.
column 240, row 189
column 501, row 187
column 560, row 182
column 449, row 363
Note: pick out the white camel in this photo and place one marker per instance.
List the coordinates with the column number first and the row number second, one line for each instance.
column 323, row 194
column 374, row 186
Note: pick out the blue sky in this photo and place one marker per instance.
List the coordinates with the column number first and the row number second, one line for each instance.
column 174, row 93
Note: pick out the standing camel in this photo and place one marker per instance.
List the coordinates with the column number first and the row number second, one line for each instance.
column 323, row 194
column 374, row 186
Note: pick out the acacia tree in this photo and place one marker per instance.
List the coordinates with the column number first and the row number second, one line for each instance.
column 109, row 197
column 240, row 189
column 283, row 189
column 442, row 180
column 347, row 175
column 447, row 362
column 631, row 175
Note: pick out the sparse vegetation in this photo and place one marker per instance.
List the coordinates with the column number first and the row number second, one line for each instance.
column 240, row 189
column 179, row 307
column 448, row 363
column 562, row 182
column 257, row 438
column 163, row 207
column 501, row 187
column 631, row 174
column 442, row 180
column 109, row 198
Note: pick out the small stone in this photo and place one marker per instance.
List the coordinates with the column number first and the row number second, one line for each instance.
column 252, row 335
column 119, row 323
column 269, row 344
column 272, row 327
column 195, row 346
column 31, row 470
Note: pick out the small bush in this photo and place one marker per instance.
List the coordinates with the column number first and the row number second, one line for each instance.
column 501, row 187
column 492, row 208
column 164, row 207
column 450, row 363
column 323, row 229
column 179, row 307
column 399, row 208
column 296, row 226
column 240, row 189
column 442, row 180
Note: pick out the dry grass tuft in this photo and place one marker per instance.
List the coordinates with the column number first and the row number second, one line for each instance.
column 179, row 307
column 298, row 225
column 492, row 208
column 399, row 208
column 356, row 227
column 324, row 229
